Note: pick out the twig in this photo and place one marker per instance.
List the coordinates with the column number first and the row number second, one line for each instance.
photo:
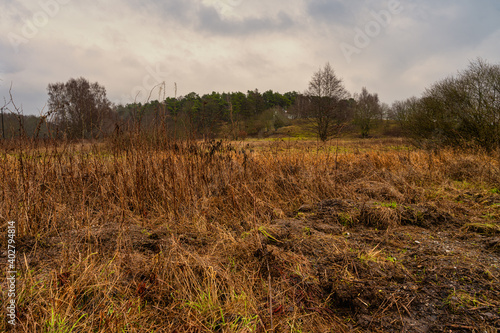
column 270, row 296
column 460, row 326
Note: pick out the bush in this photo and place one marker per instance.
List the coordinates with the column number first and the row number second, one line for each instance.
column 462, row 111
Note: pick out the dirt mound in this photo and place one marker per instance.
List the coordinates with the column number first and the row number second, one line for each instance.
column 384, row 267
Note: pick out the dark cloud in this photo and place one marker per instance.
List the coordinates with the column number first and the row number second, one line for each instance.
column 169, row 8
column 211, row 21
column 207, row 19
column 179, row 10
column 334, row 12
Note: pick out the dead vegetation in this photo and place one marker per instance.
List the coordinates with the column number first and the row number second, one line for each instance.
column 287, row 236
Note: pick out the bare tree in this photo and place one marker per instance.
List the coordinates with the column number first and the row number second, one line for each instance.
column 367, row 111
column 459, row 111
column 325, row 93
column 80, row 107
column 479, row 117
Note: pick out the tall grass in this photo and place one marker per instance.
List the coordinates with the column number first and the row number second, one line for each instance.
column 139, row 234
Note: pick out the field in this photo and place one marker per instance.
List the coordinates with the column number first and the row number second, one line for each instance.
column 136, row 235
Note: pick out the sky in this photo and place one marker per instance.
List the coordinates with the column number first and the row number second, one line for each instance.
column 394, row 48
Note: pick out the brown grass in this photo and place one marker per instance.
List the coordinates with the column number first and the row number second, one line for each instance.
column 182, row 237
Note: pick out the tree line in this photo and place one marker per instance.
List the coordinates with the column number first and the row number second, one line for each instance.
column 456, row 111
column 79, row 109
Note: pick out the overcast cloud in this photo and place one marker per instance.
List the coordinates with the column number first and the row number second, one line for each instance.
column 130, row 46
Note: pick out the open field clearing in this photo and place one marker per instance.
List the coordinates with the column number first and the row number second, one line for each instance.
column 252, row 236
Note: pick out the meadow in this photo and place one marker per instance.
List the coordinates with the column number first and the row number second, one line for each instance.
column 136, row 234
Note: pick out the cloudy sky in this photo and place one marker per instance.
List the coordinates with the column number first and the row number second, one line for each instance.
column 394, row 48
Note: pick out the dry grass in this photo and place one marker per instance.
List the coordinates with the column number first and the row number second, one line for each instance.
column 183, row 237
